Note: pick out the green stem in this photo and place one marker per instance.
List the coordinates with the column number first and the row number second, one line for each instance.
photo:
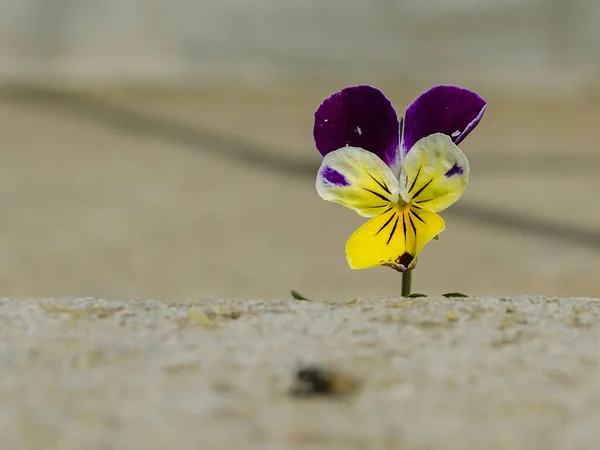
column 406, row 278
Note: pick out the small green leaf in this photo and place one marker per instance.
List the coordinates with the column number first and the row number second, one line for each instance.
column 416, row 295
column 298, row 296
column 454, row 294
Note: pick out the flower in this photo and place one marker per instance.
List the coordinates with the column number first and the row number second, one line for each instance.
column 398, row 173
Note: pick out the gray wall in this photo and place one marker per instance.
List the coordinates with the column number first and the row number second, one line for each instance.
column 512, row 42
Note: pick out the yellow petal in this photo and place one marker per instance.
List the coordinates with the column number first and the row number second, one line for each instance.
column 357, row 179
column 435, row 173
column 397, row 235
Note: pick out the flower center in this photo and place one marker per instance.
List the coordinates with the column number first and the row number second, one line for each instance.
column 400, row 205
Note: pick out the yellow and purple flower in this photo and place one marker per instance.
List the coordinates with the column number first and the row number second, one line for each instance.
column 400, row 173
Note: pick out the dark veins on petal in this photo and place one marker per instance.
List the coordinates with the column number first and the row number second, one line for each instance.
column 393, row 230
column 388, row 221
column 417, row 216
column 412, row 224
column 381, row 184
column 415, row 180
column 420, row 191
column 382, row 197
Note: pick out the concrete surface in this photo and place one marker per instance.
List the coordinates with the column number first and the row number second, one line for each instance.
column 195, row 194
column 452, row 374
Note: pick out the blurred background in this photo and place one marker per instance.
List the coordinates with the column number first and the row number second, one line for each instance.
column 163, row 148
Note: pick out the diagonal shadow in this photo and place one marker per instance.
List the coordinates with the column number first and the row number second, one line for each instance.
column 92, row 109
column 134, row 122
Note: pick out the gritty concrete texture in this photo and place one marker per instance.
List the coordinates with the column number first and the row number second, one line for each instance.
column 435, row 373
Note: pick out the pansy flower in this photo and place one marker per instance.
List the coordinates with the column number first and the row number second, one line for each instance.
column 400, row 173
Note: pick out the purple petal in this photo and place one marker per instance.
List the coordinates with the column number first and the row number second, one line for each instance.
column 358, row 116
column 444, row 109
